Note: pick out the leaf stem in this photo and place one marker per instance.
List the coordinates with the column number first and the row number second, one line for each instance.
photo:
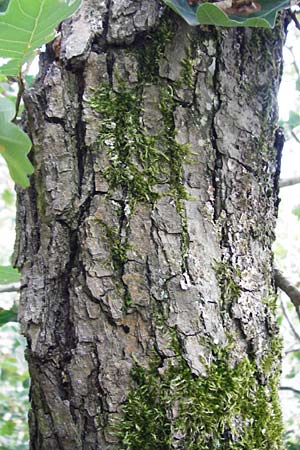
column 20, row 93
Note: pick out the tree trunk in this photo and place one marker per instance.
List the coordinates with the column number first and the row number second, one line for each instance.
column 145, row 238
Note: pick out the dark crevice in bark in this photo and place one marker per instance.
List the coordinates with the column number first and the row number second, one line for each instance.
column 80, row 131
column 56, row 120
column 32, row 242
column 245, row 166
column 217, row 173
column 110, row 59
column 70, row 337
column 123, row 239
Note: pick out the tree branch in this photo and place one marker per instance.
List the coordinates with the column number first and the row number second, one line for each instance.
column 289, row 182
column 287, row 388
column 291, row 291
column 293, row 350
column 289, row 321
column 9, row 289
column 295, row 136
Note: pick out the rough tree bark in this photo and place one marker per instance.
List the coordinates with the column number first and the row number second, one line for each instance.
column 145, row 238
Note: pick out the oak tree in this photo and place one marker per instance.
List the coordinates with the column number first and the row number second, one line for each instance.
column 144, row 239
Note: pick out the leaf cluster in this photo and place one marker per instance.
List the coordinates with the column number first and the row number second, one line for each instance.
column 206, row 13
column 24, row 27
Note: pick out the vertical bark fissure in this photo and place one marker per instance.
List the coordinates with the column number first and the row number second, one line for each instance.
column 217, row 172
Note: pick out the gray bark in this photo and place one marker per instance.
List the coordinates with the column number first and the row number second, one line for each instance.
column 107, row 277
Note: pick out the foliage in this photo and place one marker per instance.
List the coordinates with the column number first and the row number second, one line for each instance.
column 34, row 23
column 14, row 144
column 14, row 381
column 211, row 14
column 3, row 5
column 8, row 275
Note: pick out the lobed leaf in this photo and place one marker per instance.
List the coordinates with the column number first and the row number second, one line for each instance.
column 8, row 315
column 209, row 14
column 14, row 145
column 27, row 25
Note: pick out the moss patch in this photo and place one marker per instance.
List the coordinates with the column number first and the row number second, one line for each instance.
column 151, row 50
column 227, row 409
column 139, row 162
column 118, row 248
column 228, row 280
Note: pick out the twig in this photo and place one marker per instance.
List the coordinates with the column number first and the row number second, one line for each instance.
column 294, row 134
column 9, row 289
column 291, row 291
column 289, row 182
column 293, row 15
column 291, row 50
column 293, row 329
column 19, row 96
column 287, row 388
column 293, row 350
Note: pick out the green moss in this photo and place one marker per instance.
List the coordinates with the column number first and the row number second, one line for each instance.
column 186, row 75
column 271, row 303
column 229, row 408
column 228, row 280
column 139, row 162
column 151, row 49
column 272, row 355
column 177, row 153
column 118, row 248
column 135, row 161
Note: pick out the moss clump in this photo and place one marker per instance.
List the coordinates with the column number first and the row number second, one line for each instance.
column 151, row 50
column 272, row 355
column 271, row 303
column 226, row 409
column 139, row 162
column 135, row 161
column 118, row 250
column 228, row 279
column 117, row 247
column 186, row 74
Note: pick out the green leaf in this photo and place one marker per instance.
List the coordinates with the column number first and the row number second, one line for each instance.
column 181, row 7
column 7, row 109
column 210, row 14
column 14, row 145
column 8, row 315
column 3, row 5
column 8, row 275
column 8, row 428
column 28, row 24
column 296, row 355
column 296, row 211
column 294, row 119
column 8, row 197
column 292, row 374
